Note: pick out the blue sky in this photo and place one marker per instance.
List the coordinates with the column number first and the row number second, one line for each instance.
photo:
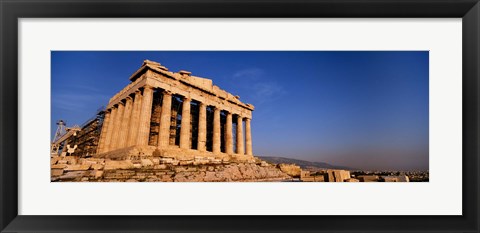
column 362, row 109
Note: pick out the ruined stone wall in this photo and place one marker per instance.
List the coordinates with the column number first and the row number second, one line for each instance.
column 158, row 169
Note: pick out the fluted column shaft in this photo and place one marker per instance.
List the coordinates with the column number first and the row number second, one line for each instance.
column 229, row 134
column 103, row 133
column 185, row 133
column 248, row 136
column 117, row 126
column 111, row 125
column 216, row 131
column 202, row 128
column 145, row 115
column 134, row 120
column 164, row 131
column 240, row 145
column 123, row 134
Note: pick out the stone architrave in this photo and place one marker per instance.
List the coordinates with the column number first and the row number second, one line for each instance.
column 240, row 145
column 103, row 134
column 145, row 115
column 185, row 133
column 228, row 134
column 164, row 132
column 127, row 112
column 134, row 119
column 216, row 131
column 117, row 126
column 202, row 127
column 248, row 137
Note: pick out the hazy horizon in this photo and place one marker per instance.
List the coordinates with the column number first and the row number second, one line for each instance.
column 360, row 109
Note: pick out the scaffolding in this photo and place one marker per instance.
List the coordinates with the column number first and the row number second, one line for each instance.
column 78, row 140
column 62, row 134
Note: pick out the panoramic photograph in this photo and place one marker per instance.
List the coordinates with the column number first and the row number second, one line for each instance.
column 239, row 116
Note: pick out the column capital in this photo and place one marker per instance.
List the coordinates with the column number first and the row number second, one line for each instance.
column 128, row 98
column 167, row 92
column 187, row 99
column 146, row 86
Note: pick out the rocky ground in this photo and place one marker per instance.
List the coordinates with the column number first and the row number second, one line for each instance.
column 158, row 169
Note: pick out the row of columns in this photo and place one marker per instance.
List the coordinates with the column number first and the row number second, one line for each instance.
column 128, row 124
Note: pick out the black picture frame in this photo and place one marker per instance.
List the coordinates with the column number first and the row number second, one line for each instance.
column 11, row 11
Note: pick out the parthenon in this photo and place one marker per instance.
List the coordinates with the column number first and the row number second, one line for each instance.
column 175, row 114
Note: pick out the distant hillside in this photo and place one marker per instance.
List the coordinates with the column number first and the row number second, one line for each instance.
column 302, row 163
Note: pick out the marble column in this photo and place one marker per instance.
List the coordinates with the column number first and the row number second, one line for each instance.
column 202, row 128
column 103, row 134
column 240, row 145
column 127, row 113
column 164, row 132
column 216, row 131
column 248, row 136
column 185, row 133
column 228, row 135
column 133, row 125
column 117, row 126
column 108, row 138
column 145, row 115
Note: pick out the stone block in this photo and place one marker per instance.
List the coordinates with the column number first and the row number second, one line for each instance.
column 71, row 160
column 147, row 163
column 166, row 160
column 200, row 162
column 58, row 166
column 56, row 172
column 77, row 167
column 97, row 166
column 160, row 167
column 156, row 161
column 186, row 162
column 113, row 165
column 73, row 175
column 89, row 162
column 291, row 169
column 54, row 160
column 180, row 169
column 166, row 178
column 352, row 180
column 62, row 162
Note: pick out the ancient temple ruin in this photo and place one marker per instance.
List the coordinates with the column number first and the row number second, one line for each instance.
column 178, row 115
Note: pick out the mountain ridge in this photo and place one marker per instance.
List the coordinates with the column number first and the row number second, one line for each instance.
column 303, row 163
